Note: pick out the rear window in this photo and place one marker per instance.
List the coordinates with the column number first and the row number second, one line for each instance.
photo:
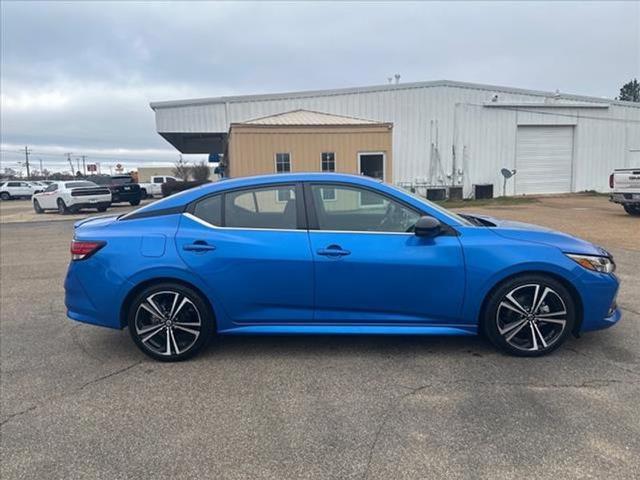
column 79, row 184
column 121, row 180
column 210, row 210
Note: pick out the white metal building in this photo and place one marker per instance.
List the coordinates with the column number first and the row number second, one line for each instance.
column 449, row 133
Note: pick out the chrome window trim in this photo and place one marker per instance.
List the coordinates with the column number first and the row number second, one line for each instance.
column 304, row 230
column 217, row 227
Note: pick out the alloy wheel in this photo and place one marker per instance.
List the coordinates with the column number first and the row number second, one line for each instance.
column 531, row 317
column 168, row 323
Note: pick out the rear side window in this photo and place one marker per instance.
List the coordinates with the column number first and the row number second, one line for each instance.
column 210, row 210
column 52, row 188
column 272, row 207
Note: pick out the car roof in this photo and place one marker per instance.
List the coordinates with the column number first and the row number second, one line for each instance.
column 188, row 196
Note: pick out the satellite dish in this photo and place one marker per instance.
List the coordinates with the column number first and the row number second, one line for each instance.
column 507, row 174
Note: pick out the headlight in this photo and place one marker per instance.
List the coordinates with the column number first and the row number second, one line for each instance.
column 593, row 262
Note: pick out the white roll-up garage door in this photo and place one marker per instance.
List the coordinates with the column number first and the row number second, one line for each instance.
column 543, row 159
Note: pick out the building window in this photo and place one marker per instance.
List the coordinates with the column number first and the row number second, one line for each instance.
column 328, row 162
column 283, row 163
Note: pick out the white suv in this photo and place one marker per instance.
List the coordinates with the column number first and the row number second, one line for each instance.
column 17, row 189
column 72, row 196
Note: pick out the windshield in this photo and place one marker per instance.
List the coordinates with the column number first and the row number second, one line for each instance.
column 458, row 218
column 79, row 184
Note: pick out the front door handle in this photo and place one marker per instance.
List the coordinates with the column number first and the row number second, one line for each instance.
column 333, row 251
column 198, row 246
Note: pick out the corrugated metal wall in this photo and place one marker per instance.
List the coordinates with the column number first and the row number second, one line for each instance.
column 455, row 119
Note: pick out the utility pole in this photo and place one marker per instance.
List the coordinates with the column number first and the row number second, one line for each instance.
column 68, row 154
column 78, row 164
column 41, row 169
column 84, row 165
column 26, row 160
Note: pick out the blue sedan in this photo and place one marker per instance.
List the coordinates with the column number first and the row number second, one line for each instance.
column 331, row 254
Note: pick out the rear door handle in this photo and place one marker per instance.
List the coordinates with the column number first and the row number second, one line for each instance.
column 333, row 251
column 198, row 246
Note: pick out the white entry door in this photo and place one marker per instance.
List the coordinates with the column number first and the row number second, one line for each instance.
column 544, row 157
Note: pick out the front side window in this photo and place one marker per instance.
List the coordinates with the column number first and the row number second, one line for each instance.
column 272, row 207
column 361, row 210
column 210, row 210
column 13, row 184
column 283, row 162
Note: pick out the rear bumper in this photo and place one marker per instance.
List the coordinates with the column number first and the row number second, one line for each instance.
column 91, row 298
column 625, row 198
column 101, row 204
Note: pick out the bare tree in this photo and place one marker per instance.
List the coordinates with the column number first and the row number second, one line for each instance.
column 181, row 169
column 201, row 171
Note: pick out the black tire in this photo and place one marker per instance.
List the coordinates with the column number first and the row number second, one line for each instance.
column 37, row 207
column 102, row 209
column 135, row 202
column 5, row 196
column 163, row 338
column 633, row 210
column 62, row 207
column 143, row 193
column 515, row 328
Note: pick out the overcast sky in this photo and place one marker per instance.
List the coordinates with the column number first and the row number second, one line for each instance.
column 79, row 77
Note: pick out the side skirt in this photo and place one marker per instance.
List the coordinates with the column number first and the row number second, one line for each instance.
column 349, row 330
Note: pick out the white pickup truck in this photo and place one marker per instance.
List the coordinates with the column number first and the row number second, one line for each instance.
column 154, row 187
column 625, row 186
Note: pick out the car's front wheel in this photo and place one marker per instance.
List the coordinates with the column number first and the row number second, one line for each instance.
column 37, row 207
column 529, row 316
column 170, row 322
column 135, row 203
column 5, row 196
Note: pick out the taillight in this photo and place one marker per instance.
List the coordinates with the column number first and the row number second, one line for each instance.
column 611, row 181
column 81, row 250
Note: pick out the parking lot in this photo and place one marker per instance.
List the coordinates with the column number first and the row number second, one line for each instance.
column 82, row 402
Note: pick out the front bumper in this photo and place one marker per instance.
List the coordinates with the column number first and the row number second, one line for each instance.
column 598, row 292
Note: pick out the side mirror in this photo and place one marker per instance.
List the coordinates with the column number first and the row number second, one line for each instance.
column 427, row 227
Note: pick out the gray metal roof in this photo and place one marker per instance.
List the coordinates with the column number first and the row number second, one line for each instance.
column 387, row 87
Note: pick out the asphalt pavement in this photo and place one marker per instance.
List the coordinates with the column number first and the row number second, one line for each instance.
column 82, row 402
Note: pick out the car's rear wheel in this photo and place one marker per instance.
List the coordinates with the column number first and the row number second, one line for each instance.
column 632, row 209
column 134, row 202
column 529, row 316
column 102, row 209
column 143, row 193
column 37, row 207
column 170, row 322
column 62, row 207
column 5, row 196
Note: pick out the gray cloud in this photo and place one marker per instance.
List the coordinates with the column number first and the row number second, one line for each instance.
column 80, row 76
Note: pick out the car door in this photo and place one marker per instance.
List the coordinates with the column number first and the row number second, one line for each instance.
column 251, row 248
column 49, row 197
column 370, row 268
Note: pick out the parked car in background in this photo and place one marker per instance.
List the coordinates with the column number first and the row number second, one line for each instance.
column 625, row 185
column 18, row 189
column 123, row 188
column 72, row 196
column 331, row 254
column 38, row 186
column 153, row 188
